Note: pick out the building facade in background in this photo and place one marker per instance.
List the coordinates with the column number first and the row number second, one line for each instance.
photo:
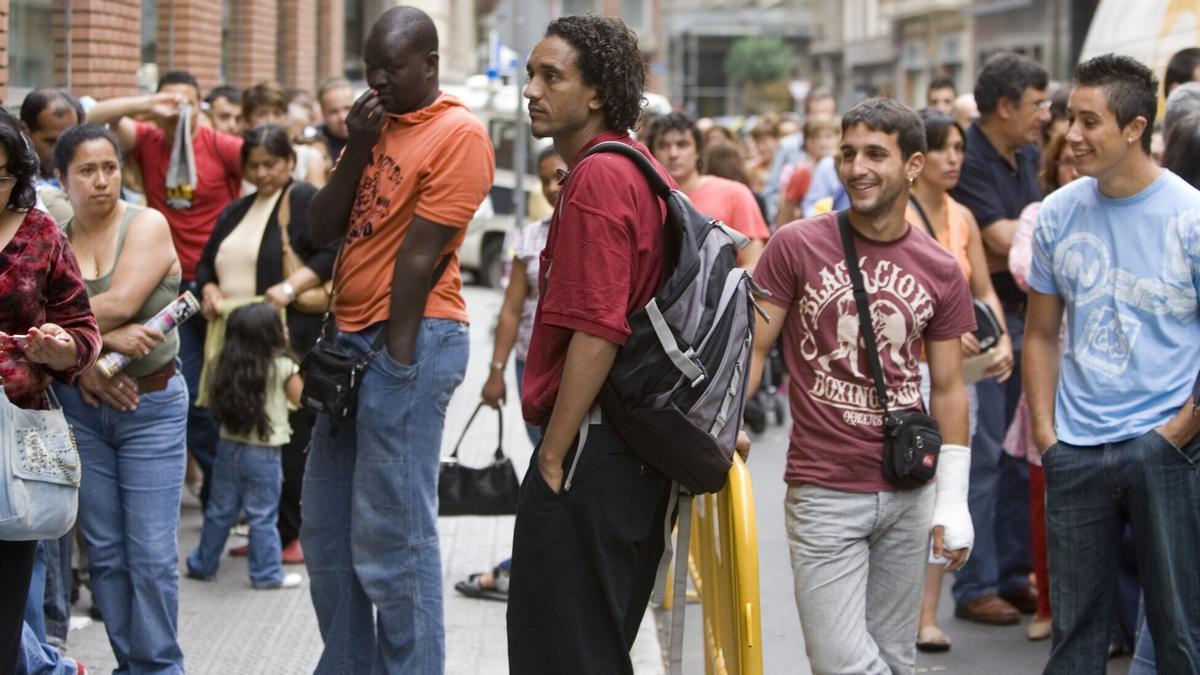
column 699, row 35
column 105, row 48
column 896, row 47
column 858, row 48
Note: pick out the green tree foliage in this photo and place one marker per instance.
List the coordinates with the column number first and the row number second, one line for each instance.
column 758, row 59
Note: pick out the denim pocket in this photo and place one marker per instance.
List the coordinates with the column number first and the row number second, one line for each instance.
column 1182, row 453
column 394, row 368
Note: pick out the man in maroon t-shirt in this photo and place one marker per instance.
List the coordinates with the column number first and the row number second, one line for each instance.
column 859, row 544
column 191, row 213
column 590, row 514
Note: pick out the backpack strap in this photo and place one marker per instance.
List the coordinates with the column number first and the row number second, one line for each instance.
column 657, row 183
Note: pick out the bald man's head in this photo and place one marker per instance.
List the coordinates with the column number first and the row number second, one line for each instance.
column 401, row 59
column 409, row 24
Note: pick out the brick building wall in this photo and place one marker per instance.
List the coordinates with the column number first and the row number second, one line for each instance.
column 189, row 38
column 3, row 50
column 331, row 38
column 105, row 49
column 253, row 42
column 298, row 54
column 297, row 42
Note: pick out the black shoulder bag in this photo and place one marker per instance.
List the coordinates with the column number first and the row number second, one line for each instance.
column 911, row 439
column 332, row 375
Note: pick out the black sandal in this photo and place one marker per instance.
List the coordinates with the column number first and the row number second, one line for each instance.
column 472, row 588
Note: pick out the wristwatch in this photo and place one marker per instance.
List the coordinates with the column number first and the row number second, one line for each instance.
column 496, row 365
column 288, row 291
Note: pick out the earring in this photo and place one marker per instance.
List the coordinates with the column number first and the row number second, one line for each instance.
column 1129, row 141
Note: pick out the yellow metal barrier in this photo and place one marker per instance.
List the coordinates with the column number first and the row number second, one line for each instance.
column 723, row 559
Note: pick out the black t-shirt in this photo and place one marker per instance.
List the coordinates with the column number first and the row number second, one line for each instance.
column 332, row 143
column 993, row 190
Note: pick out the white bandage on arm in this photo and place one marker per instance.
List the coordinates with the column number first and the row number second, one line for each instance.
column 950, row 505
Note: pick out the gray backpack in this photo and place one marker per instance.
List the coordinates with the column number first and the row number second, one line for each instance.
column 677, row 388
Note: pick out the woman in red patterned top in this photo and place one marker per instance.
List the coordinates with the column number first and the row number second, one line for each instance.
column 46, row 330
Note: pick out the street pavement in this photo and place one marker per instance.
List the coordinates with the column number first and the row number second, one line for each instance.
column 227, row 628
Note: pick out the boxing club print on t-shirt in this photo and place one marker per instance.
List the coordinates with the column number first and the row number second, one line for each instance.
column 900, row 309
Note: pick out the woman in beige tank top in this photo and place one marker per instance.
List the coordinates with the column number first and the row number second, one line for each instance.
column 130, row 428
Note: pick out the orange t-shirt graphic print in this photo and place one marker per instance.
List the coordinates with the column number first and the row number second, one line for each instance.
column 436, row 163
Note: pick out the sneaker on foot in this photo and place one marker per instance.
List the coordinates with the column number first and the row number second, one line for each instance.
column 290, row 580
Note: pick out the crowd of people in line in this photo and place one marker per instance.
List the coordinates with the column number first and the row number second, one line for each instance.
column 1068, row 485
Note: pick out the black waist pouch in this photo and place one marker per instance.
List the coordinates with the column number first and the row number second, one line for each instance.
column 911, row 446
column 331, row 381
column 331, row 375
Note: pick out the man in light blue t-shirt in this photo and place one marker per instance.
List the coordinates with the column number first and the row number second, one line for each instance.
column 1119, row 250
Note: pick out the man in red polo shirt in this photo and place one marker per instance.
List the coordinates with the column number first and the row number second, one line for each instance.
column 589, row 518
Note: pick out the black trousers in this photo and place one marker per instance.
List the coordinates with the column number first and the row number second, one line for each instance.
column 294, row 455
column 584, row 561
column 16, row 570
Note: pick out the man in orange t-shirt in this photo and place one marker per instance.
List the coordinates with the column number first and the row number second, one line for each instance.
column 416, row 166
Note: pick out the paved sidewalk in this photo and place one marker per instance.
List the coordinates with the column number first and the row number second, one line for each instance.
column 226, row 627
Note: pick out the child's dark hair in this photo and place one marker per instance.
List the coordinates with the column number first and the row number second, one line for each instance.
column 254, row 336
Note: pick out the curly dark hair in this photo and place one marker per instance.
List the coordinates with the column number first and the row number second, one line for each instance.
column 610, row 61
column 22, row 162
column 254, row 336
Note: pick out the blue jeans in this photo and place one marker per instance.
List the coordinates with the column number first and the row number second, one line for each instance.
column 1091, row 492
column 57, row 603
column 201, row 427
column 1143, row 653
column 999, row 490
column 39, row 658
column 245, row 477
column 133, row 466
column 370, row 509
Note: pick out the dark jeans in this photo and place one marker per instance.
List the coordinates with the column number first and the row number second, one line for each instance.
column 584, row 560
column 57, row 600
column 201, row 427
column 999, row 490
column 1091, row 492
column 48, row 605
column 293, row 456
column 16, row 569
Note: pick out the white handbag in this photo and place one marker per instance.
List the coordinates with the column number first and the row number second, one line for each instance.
column 39, row 472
